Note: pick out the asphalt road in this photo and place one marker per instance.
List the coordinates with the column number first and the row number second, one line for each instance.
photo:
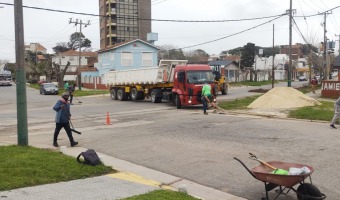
column 185, row 142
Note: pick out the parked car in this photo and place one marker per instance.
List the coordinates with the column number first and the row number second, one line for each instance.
column 48, row 88
column 302, row 78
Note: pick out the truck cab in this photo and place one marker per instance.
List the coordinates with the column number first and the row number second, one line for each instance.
column 188, row 83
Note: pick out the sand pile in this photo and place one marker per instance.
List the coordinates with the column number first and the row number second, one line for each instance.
column 283, row 97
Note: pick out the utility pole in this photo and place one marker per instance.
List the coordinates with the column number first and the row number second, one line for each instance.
column 324, row 66
column 20, row 74
column 273, row 74
column 80, row 35
column 290, row 43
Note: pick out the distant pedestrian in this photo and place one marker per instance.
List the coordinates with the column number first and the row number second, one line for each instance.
column 62, row 119
column 71, row 92
column 336, row 112
column 314, row 83
column 207, row 98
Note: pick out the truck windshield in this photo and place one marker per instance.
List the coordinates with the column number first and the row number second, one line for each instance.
column 199, row 77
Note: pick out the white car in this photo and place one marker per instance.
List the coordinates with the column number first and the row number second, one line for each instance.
column 48, row 88
column 302, row 78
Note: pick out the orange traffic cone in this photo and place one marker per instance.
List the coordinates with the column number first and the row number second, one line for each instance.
column 108, row 121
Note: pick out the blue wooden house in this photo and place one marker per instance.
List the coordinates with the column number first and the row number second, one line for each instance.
column 133, row 54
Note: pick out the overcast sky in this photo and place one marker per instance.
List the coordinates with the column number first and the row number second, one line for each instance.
column 48, row 28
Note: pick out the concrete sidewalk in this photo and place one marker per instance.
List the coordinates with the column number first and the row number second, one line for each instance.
column 131, row 180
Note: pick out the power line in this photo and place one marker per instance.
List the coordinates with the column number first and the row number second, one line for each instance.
column 300, row 31
column 136, row 18
column 234, row 33
column 321, row 12
column 155, row 3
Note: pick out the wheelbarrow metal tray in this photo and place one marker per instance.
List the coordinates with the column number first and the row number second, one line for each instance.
column 264, row 173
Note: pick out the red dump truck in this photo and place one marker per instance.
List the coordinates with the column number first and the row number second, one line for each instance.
column 172, row 80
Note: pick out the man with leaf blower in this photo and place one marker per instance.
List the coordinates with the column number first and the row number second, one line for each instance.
column 62, row 119
column 207, row 98
column 71, row 91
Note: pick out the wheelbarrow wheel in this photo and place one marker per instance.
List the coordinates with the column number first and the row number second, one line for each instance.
column 307, row 191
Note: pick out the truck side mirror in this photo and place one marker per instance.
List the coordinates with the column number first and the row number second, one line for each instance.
column 181, row 76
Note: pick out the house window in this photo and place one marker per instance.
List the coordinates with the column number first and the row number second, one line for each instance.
column 71, row 58
column 127, row 59
column 146, row 59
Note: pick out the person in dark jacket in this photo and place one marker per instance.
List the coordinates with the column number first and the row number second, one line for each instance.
column 71, row 91
column 62, row 119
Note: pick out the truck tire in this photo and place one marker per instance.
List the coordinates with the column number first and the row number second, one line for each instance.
column 215, row 91
column 154, row 95
column 224, row 89
column 121, row 95
column 113, row 93
column 178, row 102
column 134, row 94
column 140, row 95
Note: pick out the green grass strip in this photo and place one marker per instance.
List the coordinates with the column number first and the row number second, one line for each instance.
column 22, row 166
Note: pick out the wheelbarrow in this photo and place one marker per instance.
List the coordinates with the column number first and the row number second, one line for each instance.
column 285, row 183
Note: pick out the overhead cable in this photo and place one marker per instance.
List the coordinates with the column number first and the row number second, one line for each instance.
column 234, row 33
column 162, row 20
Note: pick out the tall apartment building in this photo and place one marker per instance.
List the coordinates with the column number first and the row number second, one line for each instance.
column 123, row 21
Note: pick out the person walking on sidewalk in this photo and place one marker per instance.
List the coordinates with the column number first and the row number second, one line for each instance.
column 71, row 91
column 336, row 112
column 62, row 119
column 314, row 83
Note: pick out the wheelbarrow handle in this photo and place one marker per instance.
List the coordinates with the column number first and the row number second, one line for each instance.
column 250, row 172
column 262, row 162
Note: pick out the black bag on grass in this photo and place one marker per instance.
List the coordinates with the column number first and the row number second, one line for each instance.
column 90, row 157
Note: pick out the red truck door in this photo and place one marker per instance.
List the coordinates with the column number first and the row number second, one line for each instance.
column 179, row 88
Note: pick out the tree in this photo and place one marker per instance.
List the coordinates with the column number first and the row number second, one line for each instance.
column 195, row 56
column 171, row 52
column 235, row 51
column 60, row 72
column 73, row 43
column 61, row 47
column 247, row 58
column 248, row 55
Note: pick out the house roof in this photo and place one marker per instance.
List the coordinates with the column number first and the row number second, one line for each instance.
column 41, row 57
column 232, row 57
column 126, row 43
column 38, row 47
column 76, row 53
column 219, row 62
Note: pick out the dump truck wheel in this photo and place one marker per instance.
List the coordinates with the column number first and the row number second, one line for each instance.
column 121, row 95
column 113, row 94
column 215, row 90
column 140, row 95
column 134, row 94
column 225, row 89
column 178, row 102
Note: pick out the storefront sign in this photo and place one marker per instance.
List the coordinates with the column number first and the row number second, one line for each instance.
column 330, row 89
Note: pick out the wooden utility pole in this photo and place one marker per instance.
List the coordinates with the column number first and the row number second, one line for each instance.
column 324, row 66
column 273, row 74
column 20, row 74
column 290, row 44
column 80, row 35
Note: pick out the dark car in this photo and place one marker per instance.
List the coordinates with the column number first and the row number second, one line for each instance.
column 48, row 88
